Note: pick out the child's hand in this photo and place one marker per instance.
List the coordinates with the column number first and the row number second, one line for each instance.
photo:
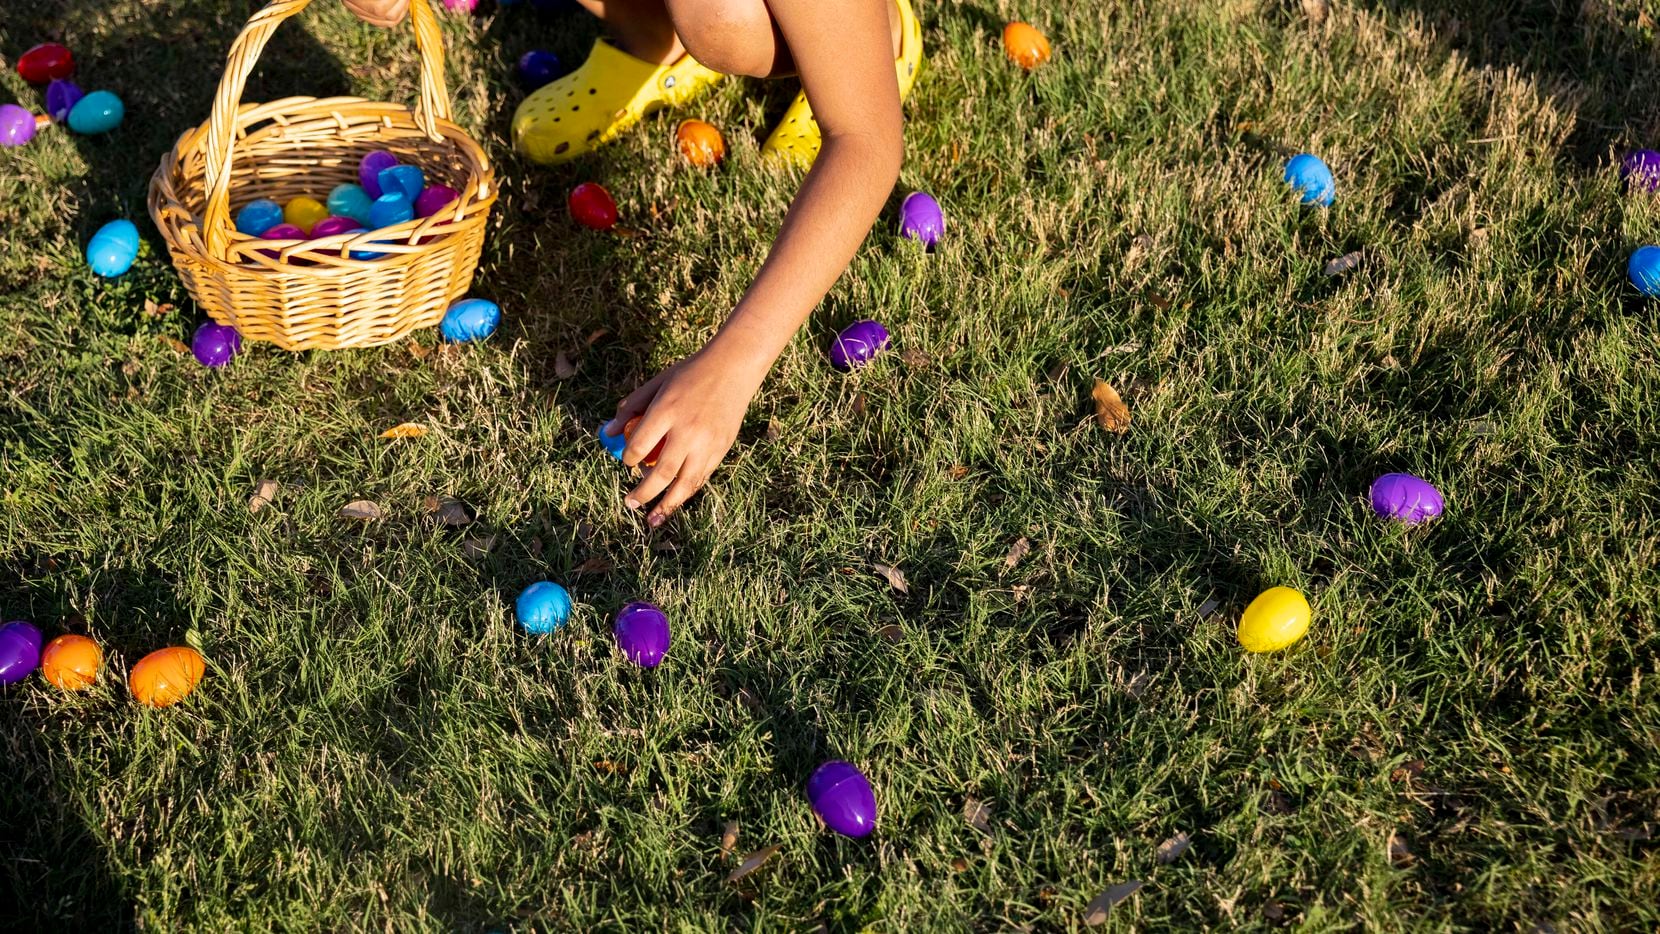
column 383, row 13
column 695, row 408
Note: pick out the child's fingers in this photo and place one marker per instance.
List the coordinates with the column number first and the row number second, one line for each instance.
column 686, row 484
column 637, row 401
column 644, row 441
column 656, row 481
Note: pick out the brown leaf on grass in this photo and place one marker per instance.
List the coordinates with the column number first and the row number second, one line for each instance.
column 416, row 350
column 960, row 864
column 609, row 767
column 404, row 430
column 598, row 564
column 595, row 335
column 1316, row 10
column 1096, row 912
column 753, row 862
column 563, row 368
column 628, row 233
column 915, row 359
column 1161, row 301
column 774, row 430
column 978, row 815
column 177, row 345
column 1110, row 410
column 1171, row 849
column 1017, row 551
column 1399, row 853
column 155, row 310
column 360, row 509
column 478, row 546
column 728, row 838
column 896, row 577
column 958, row 471
column 1343, row 264
column 892, row 632
column 265, row 492
column 1407, row 771
column 450, row 511
column 858, row 403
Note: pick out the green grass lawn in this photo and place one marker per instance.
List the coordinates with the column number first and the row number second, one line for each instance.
column 1467, row 738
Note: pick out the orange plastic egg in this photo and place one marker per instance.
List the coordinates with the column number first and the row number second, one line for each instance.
column 700, row 144
column 656, row 452
column 166, row 676
column 1025, row 46
column 71, row 662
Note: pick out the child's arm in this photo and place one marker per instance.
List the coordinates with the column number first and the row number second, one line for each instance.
column 844, row 54
column 381, row 13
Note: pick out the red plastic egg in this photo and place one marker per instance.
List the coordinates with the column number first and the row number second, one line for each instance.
column 592, row 207
column 46, row 62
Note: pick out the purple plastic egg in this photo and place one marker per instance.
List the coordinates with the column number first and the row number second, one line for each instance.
column 368, row 171
column 433, row 199
column 1405, row 497
column 857, row 344
column 61, row 98
column 215, row 344
column 920, row 219
column 17, row 125
column 842, row 797
column 642, row 633
column 1641, row 169
column 19, row 651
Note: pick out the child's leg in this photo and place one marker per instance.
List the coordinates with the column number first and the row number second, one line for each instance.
column 642, row 28
column 739, row 37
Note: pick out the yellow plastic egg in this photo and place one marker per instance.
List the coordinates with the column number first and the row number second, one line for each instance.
column 304, row 213
column 1277, row 618
column 166, row 676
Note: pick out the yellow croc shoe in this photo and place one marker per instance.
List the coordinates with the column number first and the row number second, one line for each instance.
column 596, row 103
column 796, row 138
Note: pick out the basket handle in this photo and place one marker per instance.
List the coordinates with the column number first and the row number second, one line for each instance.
column 245, row 52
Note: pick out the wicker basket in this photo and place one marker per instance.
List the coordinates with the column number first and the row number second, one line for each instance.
column 312, row 294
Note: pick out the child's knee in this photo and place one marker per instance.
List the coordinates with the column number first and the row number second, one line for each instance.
column 734, row 37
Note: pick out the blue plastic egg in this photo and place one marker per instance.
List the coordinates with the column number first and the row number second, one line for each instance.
column 98, row 112
column 350, row 201
column 543, row 607
column 1644, row 270
column 390, row 208
column 1312, row 179
column 471, row 319
column 408, row 179
column 614, row 444
column 256, row 217
column 113, row 248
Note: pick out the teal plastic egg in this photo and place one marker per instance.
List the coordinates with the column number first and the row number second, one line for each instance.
column 113, row 248
column 350, row 201
column 98, row 112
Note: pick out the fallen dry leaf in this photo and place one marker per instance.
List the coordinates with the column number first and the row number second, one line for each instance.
column 1399, row 853
column 478, row 547
column 858, row 403
column 960, row 864
column 595, row 335
column 609, row 767
column 265, row 492
column 1096, row 912
column 896, row 577
column 1316, row 10
column 892, row 632
column 1174, row 847
column 753, row 862
column 404, row 430
column 774, row 430
column 360, row 509
column 173, row 342
column 628, row 233
column 1343, row 264
column 450, row 511
column 1110, row 410
column 598, row 564
column 978, row 815
column 155, row 310
column 915, row 358
column 728, row 838
column 1017, row 551
column 958, row 471
column 563, row 368
column 416, row 350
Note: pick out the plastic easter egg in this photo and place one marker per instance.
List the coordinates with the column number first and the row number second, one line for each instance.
column 542, row 607
column 592, row 207
column 166, row 676
column 1644, row 270
column 857, row 344
column 304, row 212
column 920, row 218
column 19, row 651
column 61, row 98
column 1405, row 497
column 350, row 201
column 258, row 216
column 71, row 662
column 98, row 112
column 113, row 248
column 434, row 199
column 1278, row 617
column 536, row 68
column 642, row 633
column 17, row 125
column 471, row 319
column 650, row 460
column 368, row 171
column 330, row 226
column 408, row 180
column 390, row 208
column 283, row 232
column 215, row 344
column 614, row 444
column 1640, row 170
column 842, row 797
column 1312, row 179
column 1025, row 46
column 363, row 254
column 461, row 6
column 699, row 143
column 48, row 61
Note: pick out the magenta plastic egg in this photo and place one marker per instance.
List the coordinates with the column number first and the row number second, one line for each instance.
column 17, row 125
column 215, row 344
column 842, row 797
column 920, row 219
column 19, row 651
column 857, row 344
column 329, row 226
column 1405, row 497
column 642, row 632
column 433, row 199
column 368, row 171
